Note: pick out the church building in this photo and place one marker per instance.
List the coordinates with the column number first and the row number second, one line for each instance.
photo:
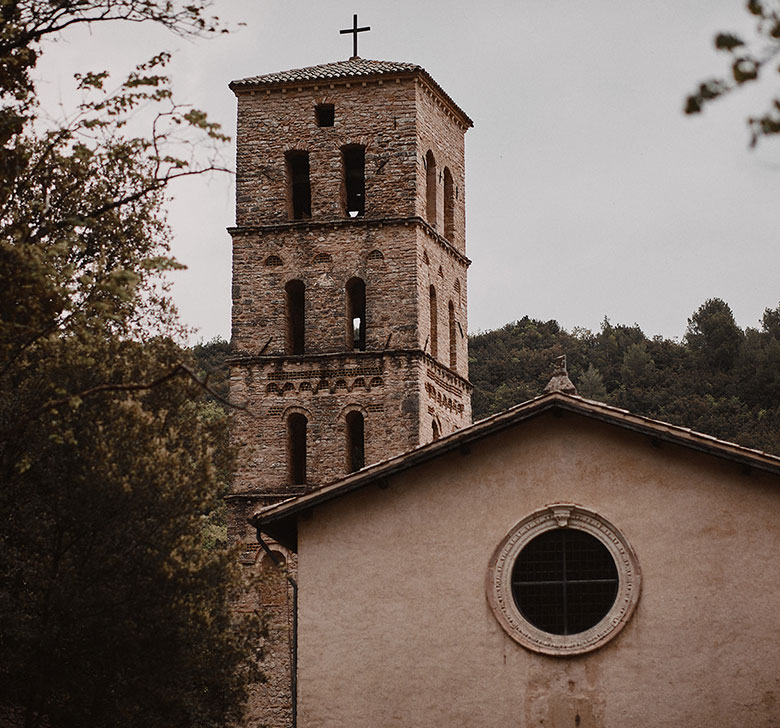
column 564, row 563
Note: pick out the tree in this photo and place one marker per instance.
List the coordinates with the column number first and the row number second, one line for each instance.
column 112, row 454
column 713, row 335
column 591, row 385
column 748, row 60
column 719, row 379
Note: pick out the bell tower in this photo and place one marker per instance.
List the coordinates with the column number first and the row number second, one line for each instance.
column 349, row 276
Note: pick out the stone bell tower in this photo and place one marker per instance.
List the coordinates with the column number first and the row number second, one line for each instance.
column 349, row 276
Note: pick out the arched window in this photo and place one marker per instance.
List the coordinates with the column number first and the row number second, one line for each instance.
column 356, row 453
column 434, row 324
column 354, row 157
column 298, row 185
column 356, row 313
column 295, row 316
column 453, row 340
column 435, row 428
column 430, row 187
column 449, row 206
column 296, row 448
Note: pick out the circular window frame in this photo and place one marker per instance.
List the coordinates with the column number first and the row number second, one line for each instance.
column 499, row 580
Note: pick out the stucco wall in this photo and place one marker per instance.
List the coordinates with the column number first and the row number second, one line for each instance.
column 395, row 629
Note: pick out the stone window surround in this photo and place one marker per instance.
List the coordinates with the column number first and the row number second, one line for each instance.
column 499, row 587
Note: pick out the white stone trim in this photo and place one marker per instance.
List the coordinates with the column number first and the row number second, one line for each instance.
column 499, row 587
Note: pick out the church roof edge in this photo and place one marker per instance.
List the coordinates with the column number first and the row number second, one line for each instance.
column 362, row 68
column 278, row 520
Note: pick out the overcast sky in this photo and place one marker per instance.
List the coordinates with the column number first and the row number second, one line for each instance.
column 588, row 192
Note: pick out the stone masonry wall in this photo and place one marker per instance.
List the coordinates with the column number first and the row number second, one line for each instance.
column 384, row 387
column 380, row 115
column 439, row 132
column 325, row 258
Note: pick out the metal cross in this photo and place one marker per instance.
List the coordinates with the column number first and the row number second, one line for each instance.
column 354, row 30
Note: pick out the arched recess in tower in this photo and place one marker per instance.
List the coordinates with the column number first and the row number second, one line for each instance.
column 298, row 185
column 356, row 313
column 296, row 447
column 356, row 448
column 453, row 340
column 449, row 206
column 434, row 324
column 430, row 187
column 354, row 160
column 295, row 316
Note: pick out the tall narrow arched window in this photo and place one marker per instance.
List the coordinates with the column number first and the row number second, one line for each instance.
column 356, row 313
column 298, row 185
column 434, row 324
column 356, row 448
column 435, row 429
column 354, row 158
column 295, row 315
column 430, row 187
column 449, row 206
column 453, row 339
column 296, row 448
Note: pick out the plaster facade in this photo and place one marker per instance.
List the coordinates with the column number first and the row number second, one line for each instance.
column 395, row 628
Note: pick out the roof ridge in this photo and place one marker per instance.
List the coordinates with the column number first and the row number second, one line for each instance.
column 665, row 431
column 352, row 66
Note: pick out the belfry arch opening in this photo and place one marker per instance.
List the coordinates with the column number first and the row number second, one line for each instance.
column 354, row 158
column 356, row 441
column 453, row 339
column 295, row 316
column 434, row 323
column 296, row 448
column 298, row 185
column 356, row 313
column 449, row 206
column 430, row 188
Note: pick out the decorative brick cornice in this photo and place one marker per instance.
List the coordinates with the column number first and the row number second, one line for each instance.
column 306, row 225
column 443, row 372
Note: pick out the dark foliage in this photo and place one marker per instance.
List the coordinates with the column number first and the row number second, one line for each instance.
column 719, row 379
column 748, row 61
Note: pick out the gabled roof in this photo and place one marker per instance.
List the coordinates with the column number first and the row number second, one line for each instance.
column 361, row 68
column 279, row 520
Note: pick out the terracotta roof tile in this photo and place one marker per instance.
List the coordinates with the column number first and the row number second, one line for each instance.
column 327, row 71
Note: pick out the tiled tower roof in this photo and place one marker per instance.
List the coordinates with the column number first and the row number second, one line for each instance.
column 327, row 71
column 353, row 68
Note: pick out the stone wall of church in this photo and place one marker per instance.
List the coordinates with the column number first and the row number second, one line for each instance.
column 439, row 133
column 384, row 387
column 379, row 114
column 324, row 258
column 269, row 594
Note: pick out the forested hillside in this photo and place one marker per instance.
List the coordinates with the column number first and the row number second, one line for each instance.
column 720, row 379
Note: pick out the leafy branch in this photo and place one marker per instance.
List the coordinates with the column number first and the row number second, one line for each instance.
column 748, row 61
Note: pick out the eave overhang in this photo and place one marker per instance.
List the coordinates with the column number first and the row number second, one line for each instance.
column 280, row 520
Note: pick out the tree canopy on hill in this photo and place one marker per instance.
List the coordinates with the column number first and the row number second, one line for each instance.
column 720, row 379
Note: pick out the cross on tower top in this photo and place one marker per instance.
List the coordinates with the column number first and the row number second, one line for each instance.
column 354, row 30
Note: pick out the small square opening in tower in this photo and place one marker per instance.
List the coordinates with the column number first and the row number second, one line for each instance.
column 325, row 114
